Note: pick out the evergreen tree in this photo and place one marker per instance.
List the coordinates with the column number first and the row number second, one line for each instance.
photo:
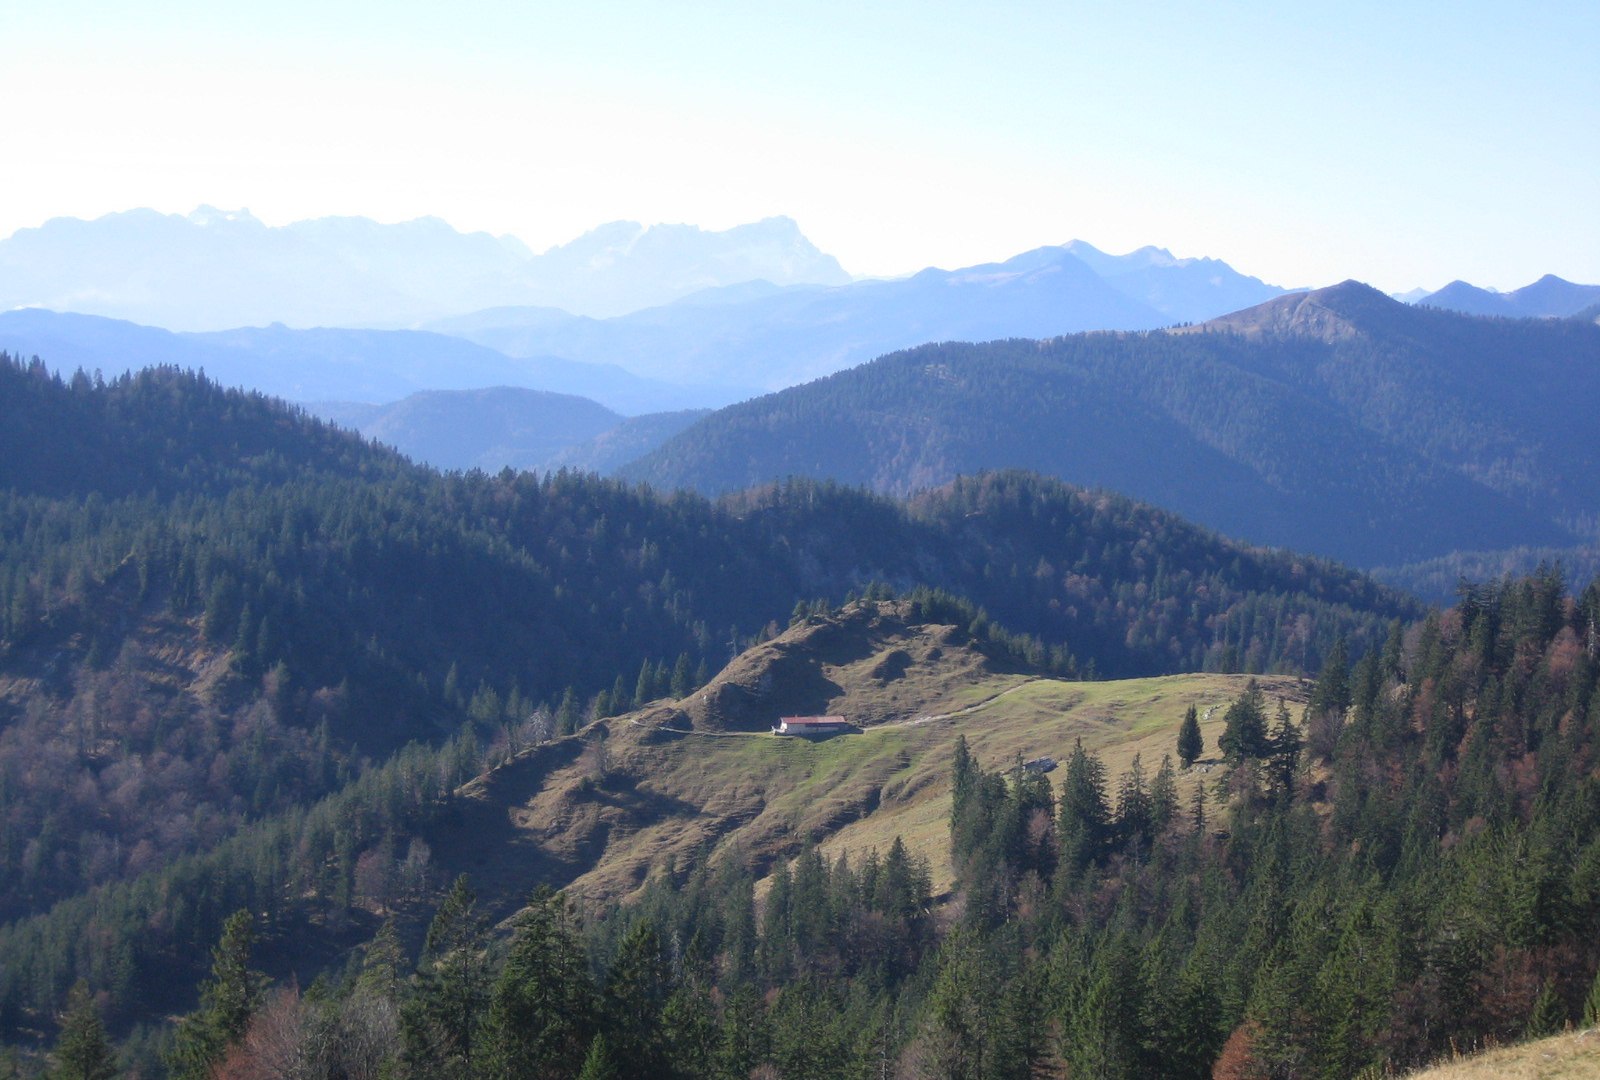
column 744, row 1039
column 962, row 774
column 689, row 1032
column 1190, row 743
column 83, row 1052
column 1163, row 796
column 636, row 990
column 1244, row 735
column 1332, row 690
column 1085, row 819
column 1197, row 809
column 598, row 1064
column 644, row 688
column 1284, row 743
column 1133, row 805
column 541, row 1016
column 1103, row 1033
column 1591, row 1004
column 680, row 677
column 382, row 962
column 1549, row 1014
column 439, row 1023
column 227, row 1002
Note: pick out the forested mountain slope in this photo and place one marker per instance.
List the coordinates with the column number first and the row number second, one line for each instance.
column 1407, row 862
column 215, row 610
column 1337, row 421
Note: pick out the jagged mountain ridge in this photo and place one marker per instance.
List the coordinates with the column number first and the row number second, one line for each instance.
column 213, row 270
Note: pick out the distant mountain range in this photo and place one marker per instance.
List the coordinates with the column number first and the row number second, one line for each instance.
column 508, row 427
column 714, row 346
column 1338, row 421
column 363, row 366
column 1549, row 297
column 212, row 270
column 762, row 335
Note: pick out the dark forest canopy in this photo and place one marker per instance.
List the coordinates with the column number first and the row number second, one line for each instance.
column 1409, row 866
column 1339, row 422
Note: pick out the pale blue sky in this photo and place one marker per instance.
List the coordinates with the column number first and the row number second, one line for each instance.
column 1402, row 143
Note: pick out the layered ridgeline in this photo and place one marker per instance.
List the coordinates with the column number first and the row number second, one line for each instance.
column 215, row 610
column 215, row 269
column 761, row 335
column 373, row 367
column 508, row 427
column 1337, row 421
column 710, row 348
column 1548, row 298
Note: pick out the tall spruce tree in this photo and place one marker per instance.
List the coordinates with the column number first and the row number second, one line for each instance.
column 227, row 1002
column 1244, row 735
column 439, row 1023
column 83, row 1052
column 1190, row 743
column 541, row 1017
column 1085, row 819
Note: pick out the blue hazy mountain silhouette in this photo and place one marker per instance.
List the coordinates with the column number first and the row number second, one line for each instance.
column 212, row 269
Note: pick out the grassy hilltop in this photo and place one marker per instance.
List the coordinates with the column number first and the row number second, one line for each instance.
column 680, row 779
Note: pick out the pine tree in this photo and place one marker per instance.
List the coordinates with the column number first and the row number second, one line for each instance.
column 1332, row 690
column 1163, row 796
column 439, row 1023
column 1197, row 809
column 227, row 1002
column 1244, row 736
column 541, row 1016
column 83, row 1052
column 636, row 991
column 1190, row 743
column 1549, row 1014
column 1285, row 743
column 680, row 676
column 644, row 687
column 689, row 1031
column 1085, row 819
column 962, row 778
column 744, row 1039
column 1133, row 804
column 1591, row 1005
column 381, row 963
column 599, row 1064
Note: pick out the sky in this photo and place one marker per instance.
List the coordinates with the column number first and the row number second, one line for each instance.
column 1404, row 144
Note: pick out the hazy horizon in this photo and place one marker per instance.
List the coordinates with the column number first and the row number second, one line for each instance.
column 1405, row 146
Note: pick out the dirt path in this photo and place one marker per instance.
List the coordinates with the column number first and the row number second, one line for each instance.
column 985, row 703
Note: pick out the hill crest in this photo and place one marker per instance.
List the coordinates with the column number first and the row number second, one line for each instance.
column 1337, row 313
